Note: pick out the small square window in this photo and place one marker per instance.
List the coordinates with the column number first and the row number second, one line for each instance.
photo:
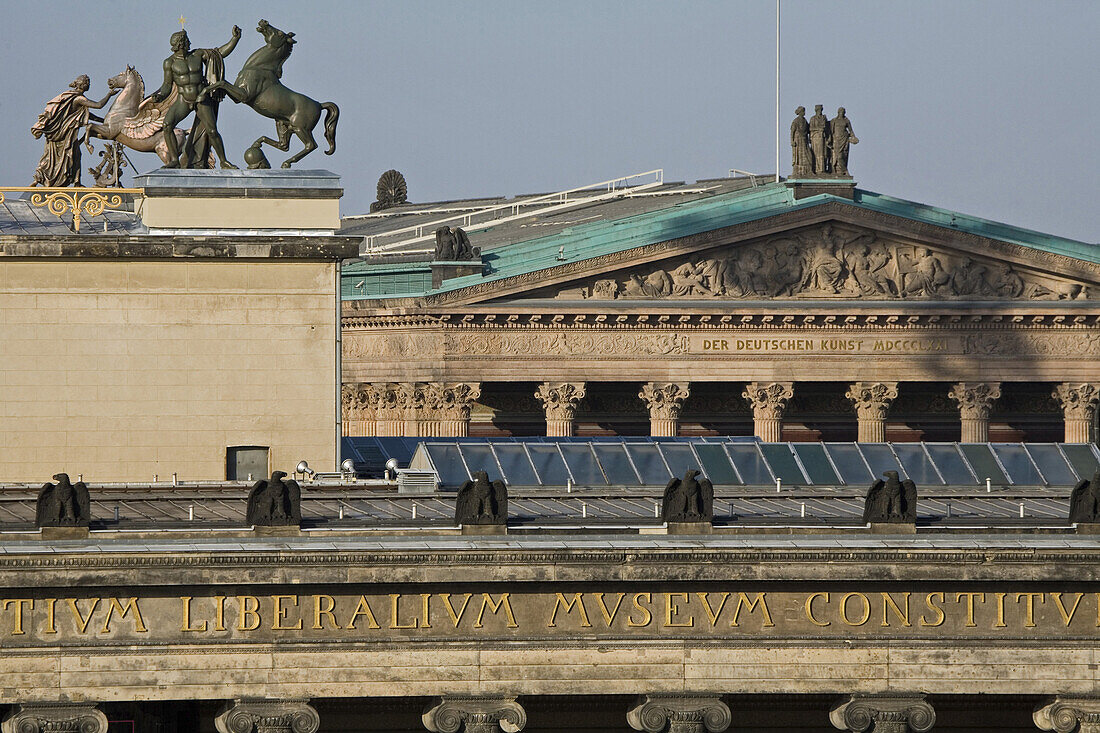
column 246, row 463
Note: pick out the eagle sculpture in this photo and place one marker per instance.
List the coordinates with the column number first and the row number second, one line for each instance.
column 274, row 502
column 63, row 504
column 1084, row 501
column 481, row 501
column 891, row 500
column 689, row 499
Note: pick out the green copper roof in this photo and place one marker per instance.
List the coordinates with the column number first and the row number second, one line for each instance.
column 586, row 241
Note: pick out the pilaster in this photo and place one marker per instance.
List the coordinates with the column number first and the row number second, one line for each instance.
column 389, row 409
column 454, row 408
column 1069, row 715
column 245, row 715
column 768, row 401
column 975, row 401
column 664, row 400
column 679, row 714
column 50, row 717
column 1079, row 402
column 872, row 401
column 358, row 401
column 451, row 714
column 883, row 714
column 560, row 401
column 413, row 399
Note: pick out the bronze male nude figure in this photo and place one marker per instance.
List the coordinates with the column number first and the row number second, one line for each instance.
column 185, row 69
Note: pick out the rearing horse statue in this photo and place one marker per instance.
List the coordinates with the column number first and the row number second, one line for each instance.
column 259, row 87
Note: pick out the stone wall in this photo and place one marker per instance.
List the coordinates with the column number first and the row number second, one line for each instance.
column 122, row 369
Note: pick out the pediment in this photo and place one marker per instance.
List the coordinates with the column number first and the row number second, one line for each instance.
column 832, row 261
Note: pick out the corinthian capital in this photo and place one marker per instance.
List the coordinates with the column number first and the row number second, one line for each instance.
column 768, row 400
column 475, row 715
column 1078, row 401
column 975, row 399
column 872, row 399
column 560, row 400
column 664, row 399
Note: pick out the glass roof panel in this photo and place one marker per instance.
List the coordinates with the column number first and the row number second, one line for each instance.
column 479, row 457
column 1082, row 457
column 716, row 464
column 951, row 464
column 648, row 461
column 980, row 458
column 680, row 458
column 750, row 464
column 1016, row 461
column 448, row 463
column 582, row 464
column 917, row 465
column 615, row 464
column 782, row 461
column 849, row 462
column 881, row 459
column 816, row 463
column 1050, row 461
column 549, row 464
column 517, row 468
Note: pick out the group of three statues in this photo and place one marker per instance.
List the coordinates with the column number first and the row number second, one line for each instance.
column 819, row 146
column 194, row 81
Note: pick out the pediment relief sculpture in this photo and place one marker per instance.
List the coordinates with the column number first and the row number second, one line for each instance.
column 831, row 263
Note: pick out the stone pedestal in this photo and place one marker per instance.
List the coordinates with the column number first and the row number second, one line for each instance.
column 51, row 717
column 975, row 400
column 1069, row 715
column 679, row 714
column 768, row 402
column 664, row 400
column 451, row 714
column 560, row 401
column 245, row 715
column 241, row 201
column 883, row 714
column 1079, row 404
column 872, row 401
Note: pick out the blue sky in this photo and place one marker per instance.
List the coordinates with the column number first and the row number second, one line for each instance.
column 987, row 107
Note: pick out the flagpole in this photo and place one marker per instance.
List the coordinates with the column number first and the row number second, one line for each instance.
column 777, row 124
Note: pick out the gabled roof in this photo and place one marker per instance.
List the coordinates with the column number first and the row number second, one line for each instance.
column 606, row 228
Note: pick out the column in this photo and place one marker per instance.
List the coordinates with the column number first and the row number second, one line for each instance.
column 1069, row 715
column 768, row 402
column 872, row 401
column 975, row 403
column 560, row 402
column 883, row 714
column 664, row 400
column 48, row 717
column 267, row 716
column 458, row 398
column 451, row 714
column 1079, row 403
column 679, row 714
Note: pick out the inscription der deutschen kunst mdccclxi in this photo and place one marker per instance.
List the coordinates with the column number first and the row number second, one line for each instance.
column 687, row 613
column 824, row 345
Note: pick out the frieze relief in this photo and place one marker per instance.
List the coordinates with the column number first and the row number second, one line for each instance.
column 566, row 344
column 829, row 262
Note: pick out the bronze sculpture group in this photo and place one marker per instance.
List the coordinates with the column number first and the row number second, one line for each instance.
column 194, row 81
column 819, row 146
